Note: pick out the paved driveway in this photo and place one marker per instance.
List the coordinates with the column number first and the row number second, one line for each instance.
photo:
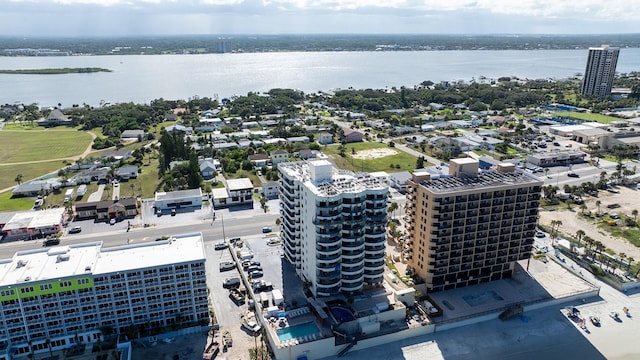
column 96, row 196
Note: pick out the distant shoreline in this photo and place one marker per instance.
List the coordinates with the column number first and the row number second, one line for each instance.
column 54, row 71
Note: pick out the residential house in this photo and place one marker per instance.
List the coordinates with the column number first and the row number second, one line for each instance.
column 325, row 138
column 210, row 114
column 108, row 209
column 259, row 160
column 306, row 154
column 95, row 174
column 170, row 117
column 133, row 134
column 32, row 188
column 127, row 172
column 279, row 156
column 208, row 167
column 298, row 139
column 179, row 129
column 351, row 136
column 270, row 189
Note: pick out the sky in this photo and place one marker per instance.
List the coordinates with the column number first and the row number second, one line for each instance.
column 183, row 17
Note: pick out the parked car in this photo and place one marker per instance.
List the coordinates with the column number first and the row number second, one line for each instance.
column 75, row 230
column 220, row 246
column 112, row 221
column 173, row 212
column 540, row 234
column 227, row 265
column 572, row 174
column 231, row 282
column 51, row 242
column 266, row 229
column 253, row 268
column 251, row 326
column 256, row 274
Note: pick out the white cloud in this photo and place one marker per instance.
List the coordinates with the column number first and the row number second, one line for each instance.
column 322, row 16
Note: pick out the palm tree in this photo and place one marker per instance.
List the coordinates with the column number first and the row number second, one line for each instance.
column 630, row 261
column 583, row 208
column 623, row 257
column 580, row 233
column 634, row 212
column 601, row 259
column 598, row 203
column 392, row 208
column 546, row 172
column 48, row 344
column 18, row 179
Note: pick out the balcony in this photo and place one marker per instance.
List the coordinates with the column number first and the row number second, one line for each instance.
column 349, row 287
column 329, row 251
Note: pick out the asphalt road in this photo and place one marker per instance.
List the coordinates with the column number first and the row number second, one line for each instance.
column 239, row 225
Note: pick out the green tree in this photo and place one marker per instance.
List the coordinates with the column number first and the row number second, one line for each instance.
column 579, row 234
column 18, row 179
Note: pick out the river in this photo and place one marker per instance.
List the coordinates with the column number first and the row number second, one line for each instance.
column 143, row 78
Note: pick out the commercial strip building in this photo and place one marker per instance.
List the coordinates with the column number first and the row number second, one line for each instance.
column 333, row 226
column 32, row 224
column 600, row 71
column 69, row 294
column 470, row 226
column 181, row 199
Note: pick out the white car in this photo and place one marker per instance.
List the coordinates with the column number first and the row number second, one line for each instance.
column 252, row 326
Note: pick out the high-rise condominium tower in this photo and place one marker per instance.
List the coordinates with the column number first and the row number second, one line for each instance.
column 600, row 71
column 333, row 226
column 470, row 226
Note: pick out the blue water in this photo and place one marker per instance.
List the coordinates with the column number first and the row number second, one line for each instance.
column 142, row 78
column 293, row 332
column 341, row 314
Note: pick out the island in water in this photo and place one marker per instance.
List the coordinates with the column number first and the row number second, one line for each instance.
column 55, row 71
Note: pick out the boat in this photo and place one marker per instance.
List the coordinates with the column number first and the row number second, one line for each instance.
column 614, row 315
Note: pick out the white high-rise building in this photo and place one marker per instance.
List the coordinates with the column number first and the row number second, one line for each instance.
column 333, row 226
column 69, row 294
column 600, row 71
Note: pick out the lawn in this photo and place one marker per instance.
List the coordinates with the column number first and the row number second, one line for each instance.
column 9, row 204
column 398, row 162
column 29, row 171
column 20, row 146
column 588, row 116
column 148, row 179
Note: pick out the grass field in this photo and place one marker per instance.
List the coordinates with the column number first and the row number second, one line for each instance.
column 9, row 204
column 18, row 146
column 148, row 178
column 393, row 163
column 29, row 171
column 588, row 116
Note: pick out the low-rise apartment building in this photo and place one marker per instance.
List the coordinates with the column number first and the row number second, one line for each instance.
column 68, row 295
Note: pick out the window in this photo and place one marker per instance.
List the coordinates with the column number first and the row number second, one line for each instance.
column 26, row 290
column 65, row 283
column 83, row 281
column 46, row 287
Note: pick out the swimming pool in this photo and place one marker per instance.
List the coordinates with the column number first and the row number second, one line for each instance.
column 297, row 331
column 341, row 314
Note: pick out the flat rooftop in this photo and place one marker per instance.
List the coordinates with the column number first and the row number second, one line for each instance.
column 342, row 181
column 93, row 258
column 485, row 179
column 239, row 184
column 35, row 219
column 180, row 194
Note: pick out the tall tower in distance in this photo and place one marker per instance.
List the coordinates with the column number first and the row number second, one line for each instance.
column 600, row 71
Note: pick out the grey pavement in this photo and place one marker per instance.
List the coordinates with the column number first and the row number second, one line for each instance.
column 96, row 196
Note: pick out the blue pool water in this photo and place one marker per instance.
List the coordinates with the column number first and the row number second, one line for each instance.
column 342, row 314
column 297, row 331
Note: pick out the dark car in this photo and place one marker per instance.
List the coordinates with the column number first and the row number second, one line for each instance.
column 51, row 242
column 573, row 175
column 75, row 230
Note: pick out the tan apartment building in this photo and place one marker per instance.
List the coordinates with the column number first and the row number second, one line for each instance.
column 470, row 226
